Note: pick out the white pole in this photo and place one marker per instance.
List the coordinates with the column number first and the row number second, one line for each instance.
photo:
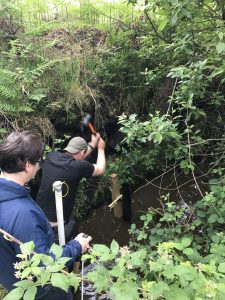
column 57, row 188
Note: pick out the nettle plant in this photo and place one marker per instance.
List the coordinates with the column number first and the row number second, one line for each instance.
column 170, row 257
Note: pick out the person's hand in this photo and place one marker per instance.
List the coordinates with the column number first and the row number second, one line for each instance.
column 84, row 241
column 101, row 144
column 94, row 140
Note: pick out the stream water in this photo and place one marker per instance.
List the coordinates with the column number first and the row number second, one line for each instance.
column 103, row 226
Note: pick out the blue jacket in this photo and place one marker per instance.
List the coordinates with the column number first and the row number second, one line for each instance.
column 21, row 217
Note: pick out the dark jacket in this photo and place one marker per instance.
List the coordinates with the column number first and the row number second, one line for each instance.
column 63, row 167
column 21, row 217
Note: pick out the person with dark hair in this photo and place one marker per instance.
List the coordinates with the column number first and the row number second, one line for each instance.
column 69, row 166
column 20, row 215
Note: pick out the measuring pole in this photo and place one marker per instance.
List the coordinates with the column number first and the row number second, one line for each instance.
column 57, row 188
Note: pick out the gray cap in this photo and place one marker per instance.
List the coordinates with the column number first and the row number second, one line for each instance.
column 75, row 145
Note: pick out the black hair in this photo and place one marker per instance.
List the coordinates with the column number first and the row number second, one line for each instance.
column 18, row 148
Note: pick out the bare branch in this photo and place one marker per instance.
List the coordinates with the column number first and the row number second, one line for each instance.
column 154, row 28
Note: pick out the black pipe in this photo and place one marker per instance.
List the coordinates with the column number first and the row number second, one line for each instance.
column 126, row 192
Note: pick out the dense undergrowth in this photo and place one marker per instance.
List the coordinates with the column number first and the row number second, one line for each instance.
column 156, row 70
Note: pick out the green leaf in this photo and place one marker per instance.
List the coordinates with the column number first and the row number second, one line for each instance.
column 24, row 283
column 103, row 252
column 37, row 97
column 26, row 272
column 162, row 24
column 213, row 218
column 36, row 259
column 100, row 277
column 220, row 47
column 63, row 260
column 169, row 274
column 157, row 138
column 186, row 242
column 55, row 268
column 15, row 294
column 220, row 35
column 156, row 289
column 221, row 267
column 177, row 293
column 61, row 281
column 27, row 248
column 188, row 251
column 100, row 249
column 73, row 281
column 201, row 213
column 221, row 287
column 221, row 220
column 116, row 271
column 124, row 291
column 191, row 167
column 181, row 270
column 137, row 258
column 178, row 246
column 30, row 293
column 216, row 239
column 45, row 276
column 56, row 250
column 174, row 19
column 114, row 247
column 36, row 270
column 47, row 260
column 132, row 117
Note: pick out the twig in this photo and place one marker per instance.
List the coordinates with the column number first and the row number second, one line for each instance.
column 177, row 185
column 9, row 237
column 154, row 29
column 170, row 103
column 174, row 189
column 111, row 205
column 206, row 141
column 189, row 156
column 149, row 182
column 6, row 118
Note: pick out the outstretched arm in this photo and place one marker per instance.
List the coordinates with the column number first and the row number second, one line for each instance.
column 92, row 144
column 99, row 167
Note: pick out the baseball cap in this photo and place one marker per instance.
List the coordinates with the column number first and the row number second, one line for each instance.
column 75, row 145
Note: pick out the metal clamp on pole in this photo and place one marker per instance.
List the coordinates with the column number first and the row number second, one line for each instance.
column 57, row 188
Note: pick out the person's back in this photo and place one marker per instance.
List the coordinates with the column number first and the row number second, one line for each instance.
column 69, row 167
column 61, row 166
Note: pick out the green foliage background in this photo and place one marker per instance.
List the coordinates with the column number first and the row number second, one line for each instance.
column 156, row 69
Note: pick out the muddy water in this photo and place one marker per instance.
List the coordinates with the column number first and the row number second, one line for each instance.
column 103, row 226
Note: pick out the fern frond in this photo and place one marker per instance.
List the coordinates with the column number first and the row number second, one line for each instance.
column 41, row 68
column 24, row 108
column 7, row 108
column 7, row 92
column 6, row 74
column 14, row 108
